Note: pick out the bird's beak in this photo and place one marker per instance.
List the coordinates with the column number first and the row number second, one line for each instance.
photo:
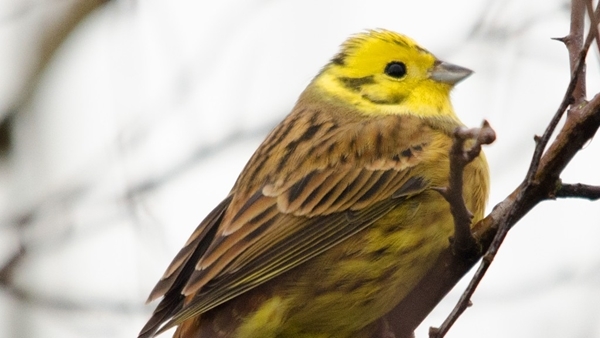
column 448, row 73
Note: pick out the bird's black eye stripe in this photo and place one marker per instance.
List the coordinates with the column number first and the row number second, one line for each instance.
column 395, row 69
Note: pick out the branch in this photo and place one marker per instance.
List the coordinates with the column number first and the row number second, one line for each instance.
column 539, row 184
column 579, row 190
column 594, row 21
column 463, row 242
column 575, row 93
column 577, row 71
column 50, row 40
column 574, row 42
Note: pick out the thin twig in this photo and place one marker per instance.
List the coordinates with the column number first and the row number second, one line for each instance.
column 577, row 82
column 591, row 192
column 463, row 242
column 594, row 21
column 542, row 142
column 574, row 43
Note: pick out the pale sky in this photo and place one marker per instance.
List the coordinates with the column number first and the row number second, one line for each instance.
column 150, row 109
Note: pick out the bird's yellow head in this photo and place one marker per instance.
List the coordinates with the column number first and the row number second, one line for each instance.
column 381, row 71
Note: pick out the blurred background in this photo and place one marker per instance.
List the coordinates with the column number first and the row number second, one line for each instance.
column 124, row 122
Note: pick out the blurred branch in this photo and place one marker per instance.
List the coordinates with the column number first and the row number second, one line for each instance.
column 56, row 302
column 69, row 195
column 52, row 38
column 6, row 271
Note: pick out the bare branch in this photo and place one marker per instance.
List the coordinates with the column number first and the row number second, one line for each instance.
column 539, row 184
column 531, row 193
column 579, row 190
column 594, row 21
column 574, row 42
column 576, row 72
column 463, row 242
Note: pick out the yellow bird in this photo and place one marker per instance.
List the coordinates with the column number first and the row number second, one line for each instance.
column 335, row 217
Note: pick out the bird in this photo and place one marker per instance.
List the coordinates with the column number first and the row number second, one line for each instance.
column 337, row 215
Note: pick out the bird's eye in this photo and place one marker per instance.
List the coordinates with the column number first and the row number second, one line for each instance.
column 395, row 69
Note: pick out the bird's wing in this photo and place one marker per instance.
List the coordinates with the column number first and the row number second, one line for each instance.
column 294, row 215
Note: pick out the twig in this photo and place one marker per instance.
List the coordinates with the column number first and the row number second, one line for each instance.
column 463, row 242
column 540, row 184
column 594, row 20
column 575, row 93
column 574, row 42
column 576, row 71
column 579, row 190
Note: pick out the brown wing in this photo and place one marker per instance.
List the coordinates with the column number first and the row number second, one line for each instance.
column 178, row 272
column 317, row 179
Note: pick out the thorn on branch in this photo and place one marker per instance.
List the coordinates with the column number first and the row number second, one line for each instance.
column 563, row 39
column 575, row 89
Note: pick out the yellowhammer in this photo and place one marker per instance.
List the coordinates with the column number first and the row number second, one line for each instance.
column 334, row 219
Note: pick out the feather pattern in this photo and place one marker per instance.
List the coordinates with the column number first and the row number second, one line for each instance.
column 300, row 194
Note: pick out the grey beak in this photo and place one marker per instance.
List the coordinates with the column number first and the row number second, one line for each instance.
column 448, row 73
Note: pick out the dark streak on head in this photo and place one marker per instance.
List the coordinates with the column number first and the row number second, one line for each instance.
column 401, row 43
column 339, row 59
column 396, row 99
column 355, row 83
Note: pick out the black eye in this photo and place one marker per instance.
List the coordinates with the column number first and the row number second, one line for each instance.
column 395, row 69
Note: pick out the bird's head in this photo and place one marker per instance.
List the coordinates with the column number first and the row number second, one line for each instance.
column 381, row 71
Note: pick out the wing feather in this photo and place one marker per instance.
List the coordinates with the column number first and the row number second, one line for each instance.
column 315, row 181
